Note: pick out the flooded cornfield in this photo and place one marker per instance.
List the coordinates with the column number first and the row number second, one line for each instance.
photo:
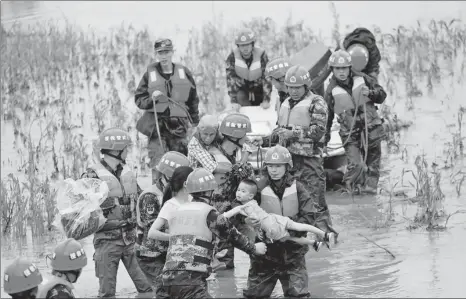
column 69, row 82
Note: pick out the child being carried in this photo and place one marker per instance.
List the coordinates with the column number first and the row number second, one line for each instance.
column 274, row 226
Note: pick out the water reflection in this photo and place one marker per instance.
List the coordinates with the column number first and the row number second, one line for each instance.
column 426, row 264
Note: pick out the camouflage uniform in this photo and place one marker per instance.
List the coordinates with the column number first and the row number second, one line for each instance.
column 238, row 88
column 282, row 96
column 285, row 261
column 357, row 172
column 362, row 36
column 224, row 195
column 174, row 130
column 60, row 291
column 306, row 145
column 182, row 283
column 115, row 242
column 150, row 253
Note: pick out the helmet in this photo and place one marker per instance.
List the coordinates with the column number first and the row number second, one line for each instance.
column 170, row 161
column 68, row 255
column 340, row 58
column 114, row 139
column 208, row 122
column 21, row 276
column 200, row 180
column 277, row 67
column 297, row 76
column 278, row 155
column 359, row 56
column 235, row 125
column 244, row 37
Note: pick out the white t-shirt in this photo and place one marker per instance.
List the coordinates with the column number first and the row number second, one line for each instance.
column 169, row 208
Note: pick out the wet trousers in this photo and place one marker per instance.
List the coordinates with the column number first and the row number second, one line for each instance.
column 152, row 268
column 170, row 143
column 310, row 172
column 107, row 258
column 223, row 204
column 358, row 172
column 264, row 274
column 189, row 285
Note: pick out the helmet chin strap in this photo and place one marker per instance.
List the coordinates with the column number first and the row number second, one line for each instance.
column 204, row 197
column 235, row 142
column 118, row 157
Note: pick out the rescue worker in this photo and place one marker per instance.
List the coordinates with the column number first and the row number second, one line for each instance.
column 245, row 69
column 352, row 96
column 275, row 71
column 282, row 194
column 365, row 54
column 233, row 130
column 302, row 119
column 173, row 88
column 151, row 253
column 192, row 231
column 219, row 157
column 115, row 240
column 67, row 262
column 21, row 279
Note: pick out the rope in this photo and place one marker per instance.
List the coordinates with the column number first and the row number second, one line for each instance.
column 182, row 107
column 365, row 140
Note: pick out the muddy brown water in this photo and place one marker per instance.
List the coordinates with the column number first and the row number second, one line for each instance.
column 426, row 264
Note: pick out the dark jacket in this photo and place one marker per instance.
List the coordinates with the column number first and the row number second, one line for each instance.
column 143, row 99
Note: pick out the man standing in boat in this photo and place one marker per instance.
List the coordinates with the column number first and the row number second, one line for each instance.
column 246, row 82
column 172, row 88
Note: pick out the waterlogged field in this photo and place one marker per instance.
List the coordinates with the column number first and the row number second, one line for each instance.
column 62, row 86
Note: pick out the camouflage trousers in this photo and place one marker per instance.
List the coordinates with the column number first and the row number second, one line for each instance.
column 187, row 284
column 107, row 258
column 170, row 143
column 358, row 172
column 152, row 268
column 310, row 172
column 223, row 204
column 264, row 274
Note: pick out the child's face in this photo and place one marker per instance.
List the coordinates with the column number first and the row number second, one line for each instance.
column 244, row 194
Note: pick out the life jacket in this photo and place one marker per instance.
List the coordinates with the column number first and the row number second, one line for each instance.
column 288, row 206
column 50, row 282
column 191, row 243
column 179, row 93
column 254, row 72
column 125, row 191
column 222, row 162
column 145, row 246
column 345, row 104
column 299, row 116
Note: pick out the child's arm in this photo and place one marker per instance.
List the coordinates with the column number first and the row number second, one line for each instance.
column 233, row 212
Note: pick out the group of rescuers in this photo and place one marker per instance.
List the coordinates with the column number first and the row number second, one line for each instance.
column 171, row 236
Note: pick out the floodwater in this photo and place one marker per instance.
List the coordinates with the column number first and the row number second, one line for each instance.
column 426, row 264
